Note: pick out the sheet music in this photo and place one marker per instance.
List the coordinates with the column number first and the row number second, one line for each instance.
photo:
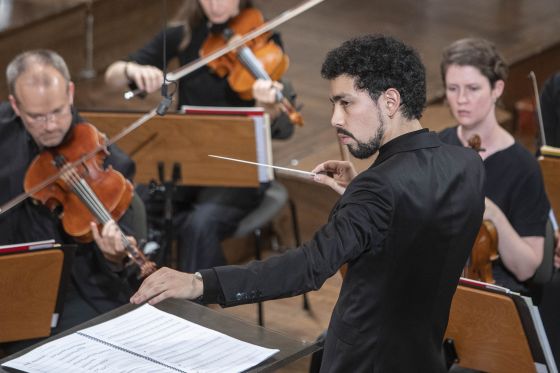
column 144, row 340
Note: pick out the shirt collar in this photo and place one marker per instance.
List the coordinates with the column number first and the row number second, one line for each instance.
column 420, row 139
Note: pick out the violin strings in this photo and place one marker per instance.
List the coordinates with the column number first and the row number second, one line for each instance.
column 88, row 196
column 90, row 199
column 95, row 204
column 74, row 181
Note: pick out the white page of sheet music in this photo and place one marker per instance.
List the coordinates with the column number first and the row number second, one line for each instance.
column 144, row 340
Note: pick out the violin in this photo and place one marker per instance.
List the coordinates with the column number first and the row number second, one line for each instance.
column 232, row 45
column 475, row 143
column 86, row 192
column 485, row 248
column 259, row 58
column 483, row 253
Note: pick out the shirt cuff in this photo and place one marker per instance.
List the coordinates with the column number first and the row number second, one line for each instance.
column 212, row 289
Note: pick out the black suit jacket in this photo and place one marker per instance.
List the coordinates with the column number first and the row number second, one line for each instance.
column 405, row 226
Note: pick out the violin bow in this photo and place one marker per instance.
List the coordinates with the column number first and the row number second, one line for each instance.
column 51, row 179
column 533, row 78
column 234, row 44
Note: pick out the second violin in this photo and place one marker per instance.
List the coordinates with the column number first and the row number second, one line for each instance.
column 260, row 58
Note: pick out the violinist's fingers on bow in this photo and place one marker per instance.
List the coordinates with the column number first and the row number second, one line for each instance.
column 265, row 91
column 147, row 78
column 167, row 283
column 109, row 241
column 335, row 174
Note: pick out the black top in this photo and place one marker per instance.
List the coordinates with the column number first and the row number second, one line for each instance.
column 550, row 105
column 514, row 183
column 26, row 222
column 405, row 226
column 202, row 87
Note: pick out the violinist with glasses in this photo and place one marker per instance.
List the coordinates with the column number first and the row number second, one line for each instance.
column 39, row 119
column 205, row 216
column 474, row 76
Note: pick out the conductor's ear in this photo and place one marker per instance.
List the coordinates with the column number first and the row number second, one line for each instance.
column 392, row 101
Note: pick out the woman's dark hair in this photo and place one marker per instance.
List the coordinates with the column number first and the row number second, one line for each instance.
column 377, row 63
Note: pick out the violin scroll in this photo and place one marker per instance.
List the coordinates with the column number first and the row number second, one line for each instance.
column 475, row 143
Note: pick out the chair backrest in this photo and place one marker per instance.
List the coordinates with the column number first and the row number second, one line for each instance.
column 491, row 332
column 274, row 199
column 29, row 284
column 550, row 167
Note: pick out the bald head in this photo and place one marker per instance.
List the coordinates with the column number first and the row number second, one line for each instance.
column 41, row 94
column 41, row 68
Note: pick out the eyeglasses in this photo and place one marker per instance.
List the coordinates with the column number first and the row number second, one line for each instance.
column 44, row 118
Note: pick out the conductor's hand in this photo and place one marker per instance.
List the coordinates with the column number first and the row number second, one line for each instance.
column 168, row 283
column 147, row 78
column 110, row 241
column 342, row 174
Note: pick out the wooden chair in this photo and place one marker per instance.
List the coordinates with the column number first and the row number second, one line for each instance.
column 550, row 167
column 29, row 284
column 494, row 331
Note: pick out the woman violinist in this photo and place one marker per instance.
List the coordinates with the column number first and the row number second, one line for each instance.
column 474, row 76
column 40, row 116
column 204, row 216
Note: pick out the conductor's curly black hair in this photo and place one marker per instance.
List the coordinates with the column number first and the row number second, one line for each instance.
column 379, row 62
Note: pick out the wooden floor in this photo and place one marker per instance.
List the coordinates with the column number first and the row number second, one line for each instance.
column 526, row 31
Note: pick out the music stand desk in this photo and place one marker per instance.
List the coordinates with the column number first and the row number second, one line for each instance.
column 32, row 289
column 290, row 349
